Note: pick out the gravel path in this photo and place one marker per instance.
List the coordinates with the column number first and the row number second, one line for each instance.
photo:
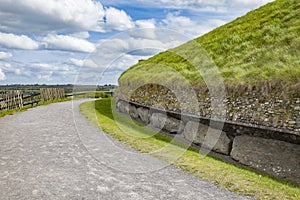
column 43, row 155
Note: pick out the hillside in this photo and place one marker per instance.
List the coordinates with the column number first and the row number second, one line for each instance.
column 257, row 56
column 262, row 45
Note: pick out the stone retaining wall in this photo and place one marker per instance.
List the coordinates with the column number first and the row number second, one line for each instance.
column 271, row 107
column 268, row 150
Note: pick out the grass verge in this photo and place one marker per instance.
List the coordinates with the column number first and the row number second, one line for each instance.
column 225, row 175
column 12, row 111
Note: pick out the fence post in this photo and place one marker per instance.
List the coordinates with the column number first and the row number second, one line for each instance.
column 11, row 100
column 52, row 93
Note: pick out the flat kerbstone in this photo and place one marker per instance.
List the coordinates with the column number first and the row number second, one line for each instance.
column 275, row 157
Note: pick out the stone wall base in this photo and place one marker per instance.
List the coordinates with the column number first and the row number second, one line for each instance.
column 269, row 151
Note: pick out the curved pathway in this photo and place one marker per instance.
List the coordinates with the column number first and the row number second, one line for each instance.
column 43, row 157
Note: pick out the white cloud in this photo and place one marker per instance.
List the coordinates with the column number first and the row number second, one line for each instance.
column 51, row 67
column 45, row 76
column 40, row 16
column 200, row 4
column 118, row 20
column 82, row 35
column 48, row 15
column 67, row 43
column 18, row 70
column 2, row 75
column 51, row 71
column 13, row 41
column 250, row 2
column 150, row 23
column 5, row 66
column 146, row 29
column 126, row 61
column 77, row 62
column 130, row 45
column 89, row 63
column 5, row 55
column 104, row 70
column 185, row 25
column 180, row 23
column 119, row 53
column 84, row 63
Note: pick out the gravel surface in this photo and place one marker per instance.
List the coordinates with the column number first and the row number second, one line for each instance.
column 52, row 152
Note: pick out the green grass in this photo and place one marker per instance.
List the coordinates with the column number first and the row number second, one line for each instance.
column 12, row 111
column 263, row 45
column 214, row 170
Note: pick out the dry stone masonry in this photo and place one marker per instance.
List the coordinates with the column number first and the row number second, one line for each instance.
column 265, row 107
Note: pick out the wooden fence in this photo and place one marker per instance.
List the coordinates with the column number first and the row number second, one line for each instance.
column 16, row 100
column 52, row 93
column 11, row 100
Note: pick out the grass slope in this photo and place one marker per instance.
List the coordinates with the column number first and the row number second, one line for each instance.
column 225, row 175
column 263, row 45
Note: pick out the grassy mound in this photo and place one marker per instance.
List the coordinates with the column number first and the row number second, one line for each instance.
column 262, row 47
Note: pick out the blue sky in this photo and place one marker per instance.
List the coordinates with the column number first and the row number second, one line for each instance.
column 93, row 42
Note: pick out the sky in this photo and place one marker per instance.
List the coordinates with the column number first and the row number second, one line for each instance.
column 94, row 41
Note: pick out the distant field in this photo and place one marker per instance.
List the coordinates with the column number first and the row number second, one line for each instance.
column 69, row 88
column 93, row 94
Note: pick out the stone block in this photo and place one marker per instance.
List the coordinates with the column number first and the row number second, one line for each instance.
column 195, row 132
column 158, row 120
column 144, row 114
column 277, row 158
column 123, row 107
column 215, row 139
column 133, row 111
column 165, row 123
column 171, row 125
